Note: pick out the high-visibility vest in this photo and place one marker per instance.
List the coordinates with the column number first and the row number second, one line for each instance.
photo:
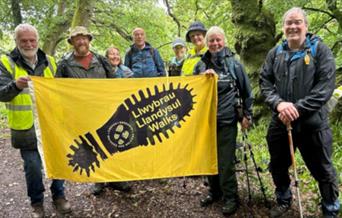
column 190, row 63
column 20, row 114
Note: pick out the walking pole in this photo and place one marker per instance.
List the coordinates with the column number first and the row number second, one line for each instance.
column 257, row 169
column 293, row 160
column 246, row 166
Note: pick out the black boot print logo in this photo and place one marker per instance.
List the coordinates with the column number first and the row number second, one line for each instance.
column 134, row 123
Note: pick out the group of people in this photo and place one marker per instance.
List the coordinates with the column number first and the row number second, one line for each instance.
column 297, row 80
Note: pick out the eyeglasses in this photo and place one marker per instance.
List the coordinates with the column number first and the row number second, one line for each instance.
column 295, row 22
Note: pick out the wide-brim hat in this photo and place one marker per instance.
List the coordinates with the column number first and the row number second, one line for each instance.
column 79, row 30
column 195, row 26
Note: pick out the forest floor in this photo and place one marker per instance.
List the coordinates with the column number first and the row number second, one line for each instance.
column 177, row 197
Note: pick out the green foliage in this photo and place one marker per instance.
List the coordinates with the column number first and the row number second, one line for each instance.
column 3, row 116
column 257, row 138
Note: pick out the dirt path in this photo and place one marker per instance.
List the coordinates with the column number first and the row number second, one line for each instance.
column 154, row 198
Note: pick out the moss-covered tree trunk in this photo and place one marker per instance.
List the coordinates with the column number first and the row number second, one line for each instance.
column 255, row 36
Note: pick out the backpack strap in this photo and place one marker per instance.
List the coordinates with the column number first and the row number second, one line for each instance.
column 230, row 64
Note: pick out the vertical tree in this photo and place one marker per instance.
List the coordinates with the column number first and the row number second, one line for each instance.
column 57, row 26
column 16, row 12
column 255, row 36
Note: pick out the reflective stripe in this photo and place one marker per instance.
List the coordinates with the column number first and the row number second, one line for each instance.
column 25, row 91
column 9, row 64
column 20, row 114
column 19, row 107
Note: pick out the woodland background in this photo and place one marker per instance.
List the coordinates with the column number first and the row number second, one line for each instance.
column 252, row 28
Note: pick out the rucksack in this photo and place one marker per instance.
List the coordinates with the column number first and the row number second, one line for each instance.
column 310, row 47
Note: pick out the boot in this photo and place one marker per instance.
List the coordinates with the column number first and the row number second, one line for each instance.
column 229, row 207
column 37, row 210
column 279, row 210
column 121, row 186
column 208, row 200
column 62, row 205
column 98, row 188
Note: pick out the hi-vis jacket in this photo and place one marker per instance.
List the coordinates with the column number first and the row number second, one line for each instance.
column 18, row 102
column 190, row 63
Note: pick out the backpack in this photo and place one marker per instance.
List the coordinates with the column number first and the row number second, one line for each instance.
column 230, row 64
column 310, row 47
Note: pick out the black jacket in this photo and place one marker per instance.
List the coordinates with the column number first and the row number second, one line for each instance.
column 285, row 76
column 227, row 90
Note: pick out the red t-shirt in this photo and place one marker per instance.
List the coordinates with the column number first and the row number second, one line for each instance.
column 84, row 60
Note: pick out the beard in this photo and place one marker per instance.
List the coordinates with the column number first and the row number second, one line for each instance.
column 82, row 50
column 28, row 53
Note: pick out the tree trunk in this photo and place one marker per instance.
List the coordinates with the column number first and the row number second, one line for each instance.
column 83, row 13
column 59, row 25
column 16, row 12
column 255, row 36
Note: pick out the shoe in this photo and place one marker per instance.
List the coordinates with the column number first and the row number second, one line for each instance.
column 62, row 205
column 229, row 207
column 279, row 210
column 98, row 188
column 209, row 199
column 330, row 215
column 37, row 210
column 121, row 186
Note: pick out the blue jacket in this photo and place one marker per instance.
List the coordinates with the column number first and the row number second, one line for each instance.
column 121, row 71
column 146, row 62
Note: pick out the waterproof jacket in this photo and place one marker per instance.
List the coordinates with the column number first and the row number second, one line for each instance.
column 230, row 90
column 25, row 138
column 144, row 62
column 99, row 67
column 191, row 61
column 298, row 77
column 121, row 71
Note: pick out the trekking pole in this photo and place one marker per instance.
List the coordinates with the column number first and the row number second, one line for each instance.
column 246, row 166
column 257, row 169
column 293, row 160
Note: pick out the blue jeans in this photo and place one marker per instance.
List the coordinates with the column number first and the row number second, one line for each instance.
column 34, row 178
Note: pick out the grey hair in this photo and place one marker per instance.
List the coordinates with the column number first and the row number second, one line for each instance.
column 214, row 30
column 297, row 10
column 25, row 27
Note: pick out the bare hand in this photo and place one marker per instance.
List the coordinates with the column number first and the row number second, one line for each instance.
column 21, row 82
column 245, row 124
column 287, row 112
column 209, row 72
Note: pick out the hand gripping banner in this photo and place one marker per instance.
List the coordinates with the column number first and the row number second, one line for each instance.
column 97, row 130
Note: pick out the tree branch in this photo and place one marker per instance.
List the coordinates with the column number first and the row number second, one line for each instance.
column 173, row 16
column 319, row 10
column 123, row 33
column 323, row 25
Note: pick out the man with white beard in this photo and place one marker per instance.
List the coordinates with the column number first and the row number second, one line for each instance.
column 15, row 68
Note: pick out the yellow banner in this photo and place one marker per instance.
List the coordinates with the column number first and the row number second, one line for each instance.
column 97, row 130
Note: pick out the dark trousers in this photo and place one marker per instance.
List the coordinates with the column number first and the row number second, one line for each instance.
column 225, row 184
column 34, row 178
column 316, row 150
